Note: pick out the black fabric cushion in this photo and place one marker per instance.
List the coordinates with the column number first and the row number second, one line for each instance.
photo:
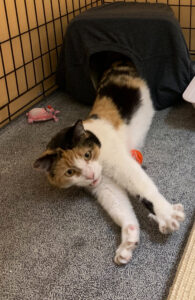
column 193, row 66
column 148, row 34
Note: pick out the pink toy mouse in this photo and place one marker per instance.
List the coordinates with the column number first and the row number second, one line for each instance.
column 42, row 114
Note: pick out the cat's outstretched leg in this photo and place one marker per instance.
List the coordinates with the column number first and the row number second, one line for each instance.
column 116, row 202
column 127, row 173
column 129, row 241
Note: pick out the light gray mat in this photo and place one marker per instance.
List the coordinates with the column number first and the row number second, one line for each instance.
column 57, row 244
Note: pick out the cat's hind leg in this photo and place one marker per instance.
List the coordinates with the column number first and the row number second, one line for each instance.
column 116, row 202
column 140, row 122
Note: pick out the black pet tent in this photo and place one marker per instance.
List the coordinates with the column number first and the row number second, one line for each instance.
column 148, row 34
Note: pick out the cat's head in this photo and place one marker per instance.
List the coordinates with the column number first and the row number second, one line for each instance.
column 71, row 158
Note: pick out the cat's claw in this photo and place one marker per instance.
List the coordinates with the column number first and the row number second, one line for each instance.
column 169, row 221
column 125, row 250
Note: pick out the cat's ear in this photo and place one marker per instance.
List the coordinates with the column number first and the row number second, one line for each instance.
column 78, row 132
column 44, row 163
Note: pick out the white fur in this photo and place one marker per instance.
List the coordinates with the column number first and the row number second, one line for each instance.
column 115, row 201
column 121, row 172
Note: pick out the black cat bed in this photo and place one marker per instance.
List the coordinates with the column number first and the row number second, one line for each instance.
column 147, row 34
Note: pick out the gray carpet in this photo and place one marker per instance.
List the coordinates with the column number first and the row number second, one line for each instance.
column 57, row 244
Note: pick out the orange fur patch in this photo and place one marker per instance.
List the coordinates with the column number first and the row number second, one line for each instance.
column 106, row 109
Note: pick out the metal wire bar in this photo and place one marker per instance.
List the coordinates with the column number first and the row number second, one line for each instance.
column 12, row 52
column 39, row 38
column 54, row 26
column 60, row 18
column 20, row 38
column 6, row 84
column 47, row 35
column 27, row 18
column 190, row 33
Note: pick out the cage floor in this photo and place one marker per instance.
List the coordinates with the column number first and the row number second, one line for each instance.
column 57, row 244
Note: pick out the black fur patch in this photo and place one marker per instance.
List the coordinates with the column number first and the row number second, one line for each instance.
column 62, row 139
column 65, row 139
column 148, row 205
column 126, row 99
column 91, row 139
column 112, row 72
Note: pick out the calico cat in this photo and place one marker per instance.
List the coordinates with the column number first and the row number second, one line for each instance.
column 95, row 153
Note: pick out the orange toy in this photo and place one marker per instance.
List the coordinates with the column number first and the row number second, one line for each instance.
column 137, row 156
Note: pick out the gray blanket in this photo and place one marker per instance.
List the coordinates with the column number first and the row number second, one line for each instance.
column 148, row 34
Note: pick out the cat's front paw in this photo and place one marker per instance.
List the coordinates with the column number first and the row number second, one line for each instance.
column 123, row 255
column 169, row 218
column 129, row 243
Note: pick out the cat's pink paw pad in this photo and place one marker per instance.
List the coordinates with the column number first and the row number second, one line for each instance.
column 131, row 227
column 178, row 207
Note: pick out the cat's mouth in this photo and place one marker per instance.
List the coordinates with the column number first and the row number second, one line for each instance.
column 95, row 182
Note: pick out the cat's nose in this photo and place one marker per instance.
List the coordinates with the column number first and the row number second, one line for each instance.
column 89, row 175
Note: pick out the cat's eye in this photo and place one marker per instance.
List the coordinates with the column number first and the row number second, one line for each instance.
column 87, row 155
column 69, row 172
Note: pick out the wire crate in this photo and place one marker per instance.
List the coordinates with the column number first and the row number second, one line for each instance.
column 31, row 35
